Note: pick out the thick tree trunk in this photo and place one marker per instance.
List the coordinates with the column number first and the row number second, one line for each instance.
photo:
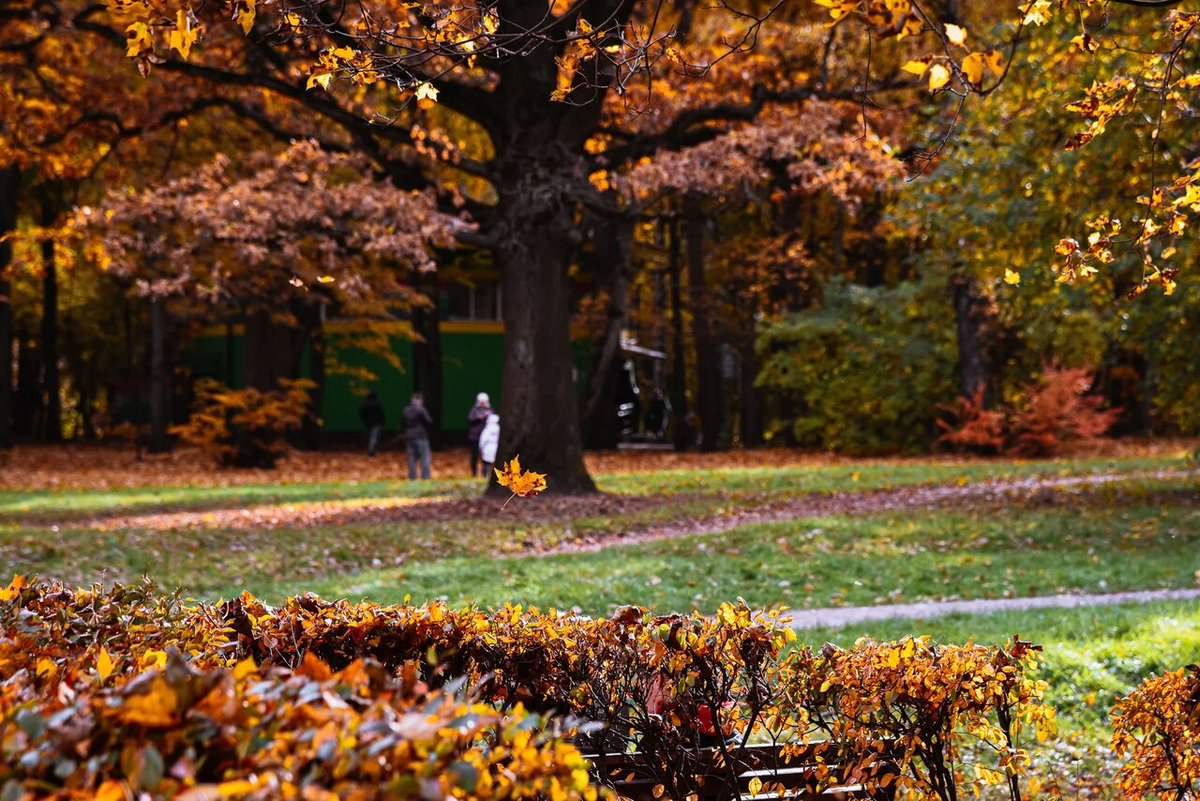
column 9, row 178
column 270, row 351
column 427, row 352
column 51, row 383
column 160, row 384
column 708, row 377
column 968, row 313
column 27, row 408
column 540, row 418
column 684, row 436
column 611, row 256
column 751, row 416
column 311, row 432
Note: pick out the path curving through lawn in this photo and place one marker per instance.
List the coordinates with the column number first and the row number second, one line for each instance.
column 861, row 503
column 836, row 617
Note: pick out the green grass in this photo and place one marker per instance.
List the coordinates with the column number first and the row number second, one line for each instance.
column 852, row 561
column 72, row 504
column 850, row 478
column 68, row 505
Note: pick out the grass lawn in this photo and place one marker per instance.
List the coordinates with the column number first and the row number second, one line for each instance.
column 913, row 556
column 75, row 504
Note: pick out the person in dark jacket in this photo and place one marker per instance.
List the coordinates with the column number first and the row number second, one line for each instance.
column 371, row 412
column 476, row 420
column 416, row 422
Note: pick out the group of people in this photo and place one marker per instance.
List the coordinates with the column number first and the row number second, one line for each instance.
column 483, row 432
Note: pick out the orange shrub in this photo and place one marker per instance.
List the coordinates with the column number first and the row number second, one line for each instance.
column 1057, row 410
column 245, row 427
column 1156, row 728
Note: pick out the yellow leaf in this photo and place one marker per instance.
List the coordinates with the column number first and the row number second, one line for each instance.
column 110, row 791
column 343, row 53
column 995, row 61
column 105, row 665
column 955, row 34
column 245, row 17
column 427, row 91
column 939, row 76
column 1011, row 276
column 325, row 279
column 13, row 590
column 518, row 483
column 915, row 67
column 321, row 79
column 972, row 67
column 153, row 708
column 754, row 786
column 243, row 669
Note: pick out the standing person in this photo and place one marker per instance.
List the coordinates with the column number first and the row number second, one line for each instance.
column 489, row 441
column 417, row 422
column 371, row 412
column 476, row 420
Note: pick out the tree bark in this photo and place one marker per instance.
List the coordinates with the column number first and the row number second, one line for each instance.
column 684, row 436
column 539, row 174
column 427, row 352
column 27, row 406
column 968, row 312
column 9, row 181
column 270, row 351
column 708, row 379
column 311, row 432
column 540, row 418
column 751, row 416
column 612, row 244
column 51, row 382
column 160, row 385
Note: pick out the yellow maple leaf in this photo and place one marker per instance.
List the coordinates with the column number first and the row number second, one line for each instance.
column 1011, row 276
column 518, row 483
column 427, row 91
column 321, row 79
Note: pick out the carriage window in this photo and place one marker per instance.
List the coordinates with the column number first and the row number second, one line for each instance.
column 480, row 301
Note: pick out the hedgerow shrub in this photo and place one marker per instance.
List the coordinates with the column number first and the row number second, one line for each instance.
column 864, row 373
column 124, row 693
column 245, row 427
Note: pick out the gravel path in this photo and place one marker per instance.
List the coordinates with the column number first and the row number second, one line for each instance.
column 842, row 616
column 858, row 503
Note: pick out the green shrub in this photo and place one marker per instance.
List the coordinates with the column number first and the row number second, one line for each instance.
column 865, row 372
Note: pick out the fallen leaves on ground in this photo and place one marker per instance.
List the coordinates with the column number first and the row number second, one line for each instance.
column 82, row 466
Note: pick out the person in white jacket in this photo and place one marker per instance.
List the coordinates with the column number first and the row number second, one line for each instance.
column 489, row 441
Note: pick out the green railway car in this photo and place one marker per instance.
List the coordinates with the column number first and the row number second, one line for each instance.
column 472, row 359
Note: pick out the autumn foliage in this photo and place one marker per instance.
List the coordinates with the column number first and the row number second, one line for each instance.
column 1157, row 729
column 1054, row 412
column 104, row 692
column 245, row 427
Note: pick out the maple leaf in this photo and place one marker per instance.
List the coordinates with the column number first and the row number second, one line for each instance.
column 518, row 483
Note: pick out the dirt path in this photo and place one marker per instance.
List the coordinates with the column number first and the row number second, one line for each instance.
column 835, row 617
column 734, row 512
column 861, row 503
